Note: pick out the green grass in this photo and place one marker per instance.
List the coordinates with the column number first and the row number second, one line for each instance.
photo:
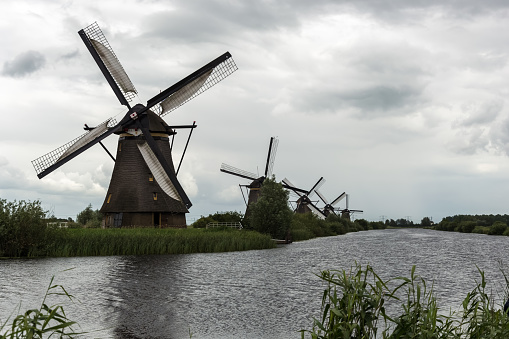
column 139, row 241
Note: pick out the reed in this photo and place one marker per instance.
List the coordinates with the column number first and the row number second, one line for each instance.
column 139, row 241
column 355, row 304
column 43, row 322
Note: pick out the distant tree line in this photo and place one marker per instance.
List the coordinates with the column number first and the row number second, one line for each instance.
column 425, row 222
column 483, row 224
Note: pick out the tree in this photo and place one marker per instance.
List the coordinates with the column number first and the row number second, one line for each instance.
column 271, row 213
column 425, row 222
column 89, row 218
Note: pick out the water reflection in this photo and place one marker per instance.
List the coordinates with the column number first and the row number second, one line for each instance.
column 254, row 294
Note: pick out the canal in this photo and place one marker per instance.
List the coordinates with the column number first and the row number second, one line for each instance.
column 253, row 294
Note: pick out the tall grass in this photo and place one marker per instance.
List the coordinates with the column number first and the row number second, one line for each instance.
column 355, row 304
column 139, row 241
column 43, row 322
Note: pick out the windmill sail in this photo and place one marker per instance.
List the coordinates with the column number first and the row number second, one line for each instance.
column 199, row 81
column 48, row 162
column 238, row 172
column 86, row 138
column 271, row 156
column 158, row 171
column 117, row 71
column 183, row 95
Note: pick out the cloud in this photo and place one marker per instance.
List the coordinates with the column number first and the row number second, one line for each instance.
column 24, row 64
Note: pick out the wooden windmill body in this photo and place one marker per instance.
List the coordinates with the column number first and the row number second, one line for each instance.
column 144, row 189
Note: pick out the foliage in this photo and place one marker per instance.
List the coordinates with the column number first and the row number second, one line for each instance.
column 271, row 213
column 43, row 322
column 498, row 228
column 426, row 222
column 23, row 229
column 354, row 302
column 89, row 218
column 218, row 217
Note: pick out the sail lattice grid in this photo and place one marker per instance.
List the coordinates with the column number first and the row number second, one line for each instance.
column 49, row 159
column 95, row 34
column 191, row 91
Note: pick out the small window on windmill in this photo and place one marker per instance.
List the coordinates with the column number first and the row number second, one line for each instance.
column 109, row 197
column 154, row 195
column 150, row 177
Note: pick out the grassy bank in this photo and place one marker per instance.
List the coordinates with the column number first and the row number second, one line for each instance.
column 139, row 241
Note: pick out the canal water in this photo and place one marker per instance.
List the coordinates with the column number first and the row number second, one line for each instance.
column 253, row 294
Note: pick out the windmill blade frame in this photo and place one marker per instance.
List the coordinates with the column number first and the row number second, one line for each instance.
column 318, row 184
column 108, row 63
column 238, row 172
column 50, row 161
column 219, row 69
column 338, row 199
column 271, row 156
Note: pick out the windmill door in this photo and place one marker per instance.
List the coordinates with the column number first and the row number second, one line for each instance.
column 117, row 220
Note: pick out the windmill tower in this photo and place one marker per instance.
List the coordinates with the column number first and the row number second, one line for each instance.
column 144, row 189
column 304, row 203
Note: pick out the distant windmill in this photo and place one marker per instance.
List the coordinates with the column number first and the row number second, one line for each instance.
column 144, row 189
column 257, row 181
column 304, row 203
column 330, row 207
column 345, row 213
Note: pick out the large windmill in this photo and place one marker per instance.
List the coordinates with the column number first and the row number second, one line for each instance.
column 144, row 189
column 304, row 202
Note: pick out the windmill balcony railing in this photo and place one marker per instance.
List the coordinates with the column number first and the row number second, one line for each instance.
column 236, row 225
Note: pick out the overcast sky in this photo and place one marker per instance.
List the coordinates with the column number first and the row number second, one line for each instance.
column 402, row 104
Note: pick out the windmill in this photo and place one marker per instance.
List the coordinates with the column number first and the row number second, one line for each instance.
column 257, row 181
column 345, row 213
column 304, row 203
column 144, row 189
column 330, row 207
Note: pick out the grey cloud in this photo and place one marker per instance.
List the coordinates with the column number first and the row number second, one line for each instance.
column 370, row 101
column 24, row 64
column 483, row 114
column 70, row 55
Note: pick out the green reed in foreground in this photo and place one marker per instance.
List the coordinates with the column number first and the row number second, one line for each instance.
column 44, row 322
column 136, row 241
column 355, row 304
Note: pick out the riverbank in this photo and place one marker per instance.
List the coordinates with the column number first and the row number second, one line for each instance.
column 141, row 241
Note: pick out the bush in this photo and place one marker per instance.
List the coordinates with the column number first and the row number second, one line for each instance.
column 23, row 228
column 218, row 217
